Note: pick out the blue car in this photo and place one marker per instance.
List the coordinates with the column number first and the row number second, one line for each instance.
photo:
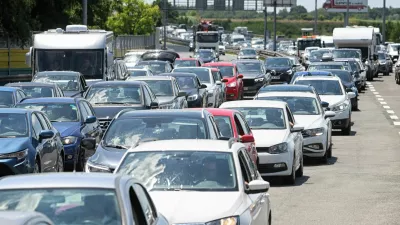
column 10, row 96
column 74, row 118
column 28, row 143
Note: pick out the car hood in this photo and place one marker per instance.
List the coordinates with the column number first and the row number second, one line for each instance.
column 332, row 99
column 267, row 138
column 165, row 99
column 178, row 206
column 278, row 69
column 9, row 145
column 308, row 121
column 207, row 59
column 107, row 158
column 66, row 128
column 190, row 91
column 347, row 84
column 252, row 75
column 111, row 110
column 72, row 94
column 247, row 56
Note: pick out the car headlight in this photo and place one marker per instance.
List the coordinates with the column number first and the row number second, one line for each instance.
column 96, row 168
column 261, row 79
column 234, row 220
column 192, row 97
column 314, row 132
column 257, row 57
column 289, row 72
column 233, row 84
column 69, row 140
column 19, row 155
column 279, row 148
column 340, row 107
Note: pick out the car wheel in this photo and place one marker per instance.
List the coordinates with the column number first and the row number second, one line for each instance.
column 60, row 164
column 81, row 160
column 299, row 172
column 355, row 106
column 397, row 79
column 36, row 168
column 329, row 148
column 347, row 130
column 291, row 179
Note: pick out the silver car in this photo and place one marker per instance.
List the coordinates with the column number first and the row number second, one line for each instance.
column 81, row 198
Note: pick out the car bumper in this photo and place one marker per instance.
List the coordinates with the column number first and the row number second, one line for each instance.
column 250, row 87
column 314, row 146
column 71, row 151
column 195, row 104
column 14, row 166
column 211, row 100
column 383, row 68
column 281, row 78
column 341, row 119
column 275, row 164
column 232, row 93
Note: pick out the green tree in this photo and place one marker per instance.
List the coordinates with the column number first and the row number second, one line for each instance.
column 173, row 14
column 298, row 10
column 133, row 17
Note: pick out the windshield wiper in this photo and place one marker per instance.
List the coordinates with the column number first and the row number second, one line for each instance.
column 116, row 146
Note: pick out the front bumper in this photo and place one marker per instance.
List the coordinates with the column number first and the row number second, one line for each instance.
column 12, row 166
column 341, row 119
column 275, row 164
column 383, row 68
column 250, row 87
column 71, row 151
column 232, row 93
column 314, row 146
column 281, row 78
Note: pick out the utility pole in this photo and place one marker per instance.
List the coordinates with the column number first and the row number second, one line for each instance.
column 84, row 12
column 165, row 23
column 347, row 14
column 265, row 27
column 384, row 22
column 316, row 18
column 274, row 25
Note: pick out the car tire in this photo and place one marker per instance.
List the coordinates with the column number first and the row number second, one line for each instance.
column 386, row 74
column 80, row 165
column 36, row 168
column 204, row 102
column 329, row 148
column 355, row 106
column 397, row 79
column 347, row 130
column 291, row 179
column 60, row 164
column 300, row 171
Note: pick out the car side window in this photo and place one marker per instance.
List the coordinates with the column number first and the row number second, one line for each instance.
column 244, row 168
column 245, row 128
column 215, row 127
column 37, row 127
column 43, row 121
column 216, row 76
column 152, row 95
column 147, row 97
column 147, row 207
column 198, row 82
column 250, row 163
column 83, row 111
column 137, row 211
column 88, row 108
column 290, row 116
column 239, row 125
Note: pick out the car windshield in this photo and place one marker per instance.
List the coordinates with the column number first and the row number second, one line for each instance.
column 114, row 94
column 224, row 125
column 326, row 67
column 137, row 73
column 382, row 56
column 343, row 75
column 277, row 62
column 56, row 112
column 161, row 87
column 264, row 118
column 318, row 54
column 298, row 105
column 6, row 99
column 186, row 82
column 346, row 54
column 65, row 82
column 155, row 67
column 323, row 87
column 185, row 63
column 202, row 73
column 89, row 206
column 182, row 170
column 126, row 131
column 248, row 52
column 249, row 67
column 205, row 54
column 13, row 125
column 132, row 58
column 38, row 92
column 226, row 71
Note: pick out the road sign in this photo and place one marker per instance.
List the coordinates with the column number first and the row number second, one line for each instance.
column 355, row 6
column 280, row 3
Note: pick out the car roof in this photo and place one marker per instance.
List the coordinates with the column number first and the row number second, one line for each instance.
column 205, row 50
column 178, row 74
column 60, row 180
column 49, row 99
column 254, row 104
column 312, row 73
column 186, row 59
column 344, row 59
column 31, row 84
column 219, row 64
column 327, row 63
column 193, row 68
column 161, row 112
column 15, row 110
column 221, row 112
column 247, row 60
column 150, row 61
column 183, row 145
column 151, row 78
column 287, row 87
column 288, row 94
column 318, row 78
column 58, row 73
column 8, row 88
column 278, row 58
column 124, row 83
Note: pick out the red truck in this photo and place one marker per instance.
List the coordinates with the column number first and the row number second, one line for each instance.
column 342, row 4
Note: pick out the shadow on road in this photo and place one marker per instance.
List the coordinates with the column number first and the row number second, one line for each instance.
column 339, row 133
column 279, row 182
column 309, row 161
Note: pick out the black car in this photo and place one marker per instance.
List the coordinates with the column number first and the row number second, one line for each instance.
column 108, row 98
column 254, row 75
column 206, row 55
column 355, row 70
column 157, row 66
column 10, row 96
column 281, row 69
column 38, row 90
column 167, row 91
column 161, row 55
column 131, row 125
column 72, row 83
column 196, row 93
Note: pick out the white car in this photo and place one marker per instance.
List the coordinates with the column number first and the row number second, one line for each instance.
column 332, row 91
column 221, row 48
column 138, row 72
column 214, row 87
column 132, row 57
column 393, row 51
column 308, row 113
column 308, row 51
column 200, row 181
column 278, row 138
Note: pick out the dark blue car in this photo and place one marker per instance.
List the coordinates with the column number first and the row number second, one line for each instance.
column 28, row 143
column 9, row 96
column 74, row 118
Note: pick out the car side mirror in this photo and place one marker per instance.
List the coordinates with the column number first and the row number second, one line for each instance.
column 181, row 93
column 90, row 119
column 324, row 104
column 218, row 82
column 348, row 90
column 329, row 114
column 89, row 143
column 247, row 138
column 295, row 129
column 294, row 66
column 224, row 80
column 351, row 94
column 203, row 86
column 153, row 105
column 240, row 76
column 257, row 186
column 46, row 134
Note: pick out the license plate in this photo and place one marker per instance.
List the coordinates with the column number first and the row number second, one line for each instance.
column 245, row 88
column 276, row 77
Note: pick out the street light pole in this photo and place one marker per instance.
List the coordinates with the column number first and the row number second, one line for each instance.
column 384, row 22
column 316, row 18
column 165, row 24
column 274, row 25
column 347, row 13
column 265, row 27
column 84, row 12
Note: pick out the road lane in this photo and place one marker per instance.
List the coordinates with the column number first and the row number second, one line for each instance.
column 362, row 183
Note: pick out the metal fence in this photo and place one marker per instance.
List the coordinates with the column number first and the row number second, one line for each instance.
column 125, row 43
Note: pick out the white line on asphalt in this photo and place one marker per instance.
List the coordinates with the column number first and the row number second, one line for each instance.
column 376, row 93
column 380, row 99
column 378, row 96
column 368, row 82
column 386, row 107
column 383, row 103
column 394, row 117
column 390, row 111
column 396, row 123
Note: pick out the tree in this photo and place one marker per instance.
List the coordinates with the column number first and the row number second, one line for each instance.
column 133, row 17
column 172, row 13
column 298, row 10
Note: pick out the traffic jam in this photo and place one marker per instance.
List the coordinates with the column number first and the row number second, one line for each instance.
column 157, row 138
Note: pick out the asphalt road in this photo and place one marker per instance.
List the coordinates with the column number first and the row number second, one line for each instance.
column 361, row 183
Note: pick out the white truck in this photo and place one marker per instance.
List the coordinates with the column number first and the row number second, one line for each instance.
column 207, row 40
column 362, row 38
column 235, row 39
column 74, row 49
column 327, row 41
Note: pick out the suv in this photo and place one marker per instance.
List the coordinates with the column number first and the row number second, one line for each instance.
column 332, row 91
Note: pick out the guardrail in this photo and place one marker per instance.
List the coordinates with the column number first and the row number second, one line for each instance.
column 230, row 49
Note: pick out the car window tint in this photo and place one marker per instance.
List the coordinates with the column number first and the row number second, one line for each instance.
column 244, row 168
column 145, row 203
column 37, row 127
column 239, row 126
column 89, row 109
column 137, row 211
column 43, row 121
column 224, row 125
column 251, row 165
column 245, row 128
column 290, row 116
column 83, row 111
column 147, row 96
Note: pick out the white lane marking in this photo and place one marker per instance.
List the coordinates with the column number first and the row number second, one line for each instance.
column 376, row 93
column 396, row 123
column 378, row 96
column 390, row 111
column 381, row 99
column 383, row 103
column 368, row 82
column 373, row 90
column 394, row 117
column 386, row 107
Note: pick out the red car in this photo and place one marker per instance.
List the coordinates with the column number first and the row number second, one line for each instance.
column 232, row 123
column 234, row 82
column 187, row 62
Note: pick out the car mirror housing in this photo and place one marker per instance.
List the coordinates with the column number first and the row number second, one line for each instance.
column 257, row 186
